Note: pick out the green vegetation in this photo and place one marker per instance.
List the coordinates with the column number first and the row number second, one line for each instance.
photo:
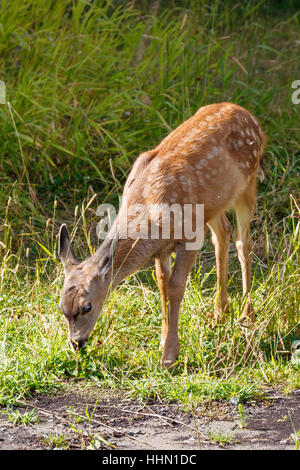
column 89, row 86
column 222, row 438
column 26, row 418
column 56, row 440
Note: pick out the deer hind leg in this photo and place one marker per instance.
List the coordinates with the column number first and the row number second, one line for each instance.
column 244, row 210
column 163, row 274
column 176, row 287
column 221, row 229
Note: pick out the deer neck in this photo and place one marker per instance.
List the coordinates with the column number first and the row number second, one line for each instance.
column 130, row 256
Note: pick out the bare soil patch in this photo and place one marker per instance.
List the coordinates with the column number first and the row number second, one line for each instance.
column 107, row 422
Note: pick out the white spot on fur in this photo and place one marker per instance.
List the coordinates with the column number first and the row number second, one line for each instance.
column 155, row 166
column 213, row 152
column 184, row 182
column 254, row 120
column 201, row 164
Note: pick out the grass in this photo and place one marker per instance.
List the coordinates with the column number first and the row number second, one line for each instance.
column 90, row 86
column 295, row 436
column 26, row 418
column 222, row 438
column 56, row 440
column 242, row 415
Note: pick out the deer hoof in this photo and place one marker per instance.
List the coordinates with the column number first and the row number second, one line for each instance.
column 248, row 315
column 169, row 363
column 169, row 360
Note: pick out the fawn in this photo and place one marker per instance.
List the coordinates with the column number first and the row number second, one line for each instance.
column 212, row 159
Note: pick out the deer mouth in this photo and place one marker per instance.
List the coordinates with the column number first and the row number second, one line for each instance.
column 78, row 345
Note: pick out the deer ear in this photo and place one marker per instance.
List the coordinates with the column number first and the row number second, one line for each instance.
column 65, row 249
column 108, row 257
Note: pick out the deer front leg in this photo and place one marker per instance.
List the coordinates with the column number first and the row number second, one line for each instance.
column 176, row 287
column 163, row 274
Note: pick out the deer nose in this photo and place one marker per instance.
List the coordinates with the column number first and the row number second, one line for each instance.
column 78, row 345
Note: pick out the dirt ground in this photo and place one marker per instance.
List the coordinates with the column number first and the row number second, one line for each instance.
column 104, row 422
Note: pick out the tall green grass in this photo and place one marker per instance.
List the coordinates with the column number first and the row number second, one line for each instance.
column 90, row 85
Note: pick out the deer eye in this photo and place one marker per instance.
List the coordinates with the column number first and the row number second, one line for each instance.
column 87, row 308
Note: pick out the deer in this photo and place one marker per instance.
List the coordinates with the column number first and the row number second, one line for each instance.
column 212, row 159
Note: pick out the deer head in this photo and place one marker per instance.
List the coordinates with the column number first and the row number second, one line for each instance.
column 85, row 287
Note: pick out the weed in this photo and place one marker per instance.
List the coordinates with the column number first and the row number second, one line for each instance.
column 56, row 440
column 296, row 435
column 26, row 418
column 242, row 414
column 90, row 415
column 97, row 442
column 71, row 413
column 222, row 438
